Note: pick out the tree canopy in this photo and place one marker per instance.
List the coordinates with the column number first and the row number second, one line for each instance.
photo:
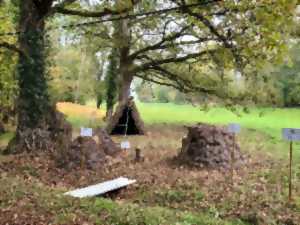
column 210, row 47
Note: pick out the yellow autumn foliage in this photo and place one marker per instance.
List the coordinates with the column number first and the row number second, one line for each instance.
column 72, row 109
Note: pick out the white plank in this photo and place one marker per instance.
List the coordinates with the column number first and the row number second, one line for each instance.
column 101, row 188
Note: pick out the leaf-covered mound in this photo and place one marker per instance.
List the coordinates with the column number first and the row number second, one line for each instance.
column 209, row 146
column 90, row 152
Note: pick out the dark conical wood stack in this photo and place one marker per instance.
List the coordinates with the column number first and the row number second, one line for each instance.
column 209, row 146
column 126, row 114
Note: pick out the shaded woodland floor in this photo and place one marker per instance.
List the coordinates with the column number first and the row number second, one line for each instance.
column 31, row 187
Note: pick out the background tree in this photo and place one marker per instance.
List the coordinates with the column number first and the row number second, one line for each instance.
column 211, row 37
column 111, row 81
column 187, row 44
column 287, row 77
column 100, row 88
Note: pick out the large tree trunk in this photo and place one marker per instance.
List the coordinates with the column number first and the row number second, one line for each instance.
column 126, row 80
column 38, row 123
column 33, row 101
column 125, row 62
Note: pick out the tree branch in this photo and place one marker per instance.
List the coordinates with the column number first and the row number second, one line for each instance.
column 178, row 82
column 11, row 47
column 60, row 6
column 158, row 44
column 147, row 78
column 132, row 16
column 209, row 25
column 110, row 19
column 153, row 63
column 225, row 40
column 85, row 13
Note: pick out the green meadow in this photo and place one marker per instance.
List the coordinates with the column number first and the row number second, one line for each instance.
column 266, row 120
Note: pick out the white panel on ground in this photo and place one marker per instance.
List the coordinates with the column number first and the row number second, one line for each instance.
column 101, row 188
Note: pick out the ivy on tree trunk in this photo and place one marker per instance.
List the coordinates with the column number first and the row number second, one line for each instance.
column 111, row 82
column 40, row 127
column 33, row 102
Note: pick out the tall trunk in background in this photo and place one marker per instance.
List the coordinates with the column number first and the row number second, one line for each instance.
column 99, row 88
column 111, row 80
column 126, row 77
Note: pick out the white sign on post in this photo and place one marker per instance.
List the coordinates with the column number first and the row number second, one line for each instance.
column 86, row 132
column 234, row 128
column 125, row 145
column 291, row 134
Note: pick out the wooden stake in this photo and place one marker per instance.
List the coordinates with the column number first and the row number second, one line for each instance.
column 232, row 159
column 138, row 156
column 290, row 172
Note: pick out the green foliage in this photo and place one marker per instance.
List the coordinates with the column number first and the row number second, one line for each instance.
column 100, row 90
column 148, row 92
column 162, row 95
column 8, row 83
column 248, row 36
column 73, row 74
column 288, row 77
column 144, row 90
column 8, row 59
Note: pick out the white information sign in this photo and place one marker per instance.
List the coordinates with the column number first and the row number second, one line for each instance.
column 234, row 128
column 86, row 132
column 291, row 134
column 125, row 144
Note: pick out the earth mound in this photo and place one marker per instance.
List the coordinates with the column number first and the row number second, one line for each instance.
column 209, row 146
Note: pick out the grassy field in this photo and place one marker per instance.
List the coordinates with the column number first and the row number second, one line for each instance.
column 268, row 120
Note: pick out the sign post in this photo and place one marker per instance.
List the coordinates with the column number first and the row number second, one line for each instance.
column 84, row 132
column 291, row 134
column 233, row 128
column 290, row 172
